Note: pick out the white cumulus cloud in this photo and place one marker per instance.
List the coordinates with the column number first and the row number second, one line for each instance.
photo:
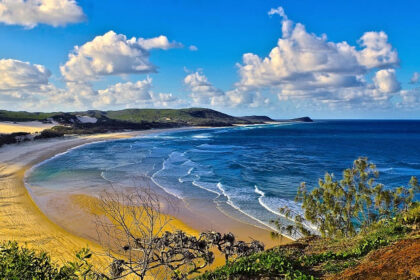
column 410, row 99
column 82, row 96
column 112, row 54
column 415, row 78
column 386, row 81
column 193, row 48
column 23, row 84
column 377, row 52
column 26, row 86
column 16, row 74
column 160, row 42
column 134, row 94
column 30, row 13
column 305, row 65
column 204, row 93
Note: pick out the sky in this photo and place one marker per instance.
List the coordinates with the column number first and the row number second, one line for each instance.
column 284, row 58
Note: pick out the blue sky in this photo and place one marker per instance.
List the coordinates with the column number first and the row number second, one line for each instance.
column 200, row 62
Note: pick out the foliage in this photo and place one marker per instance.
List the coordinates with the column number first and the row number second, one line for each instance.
column 191, row 116
column 334, row 254
column 379, row 234
column 179, row 252
column 265, row 264
column 11, row 138
column 22, row 263
column 130, row 231
column 297, row 228
column 23, row 116
column 336, row 266
column 362, row 249
column 410, row 217
column 342, row 208
column 49, row 133
column 142, row 245
column 129, row 119
column 229, row 247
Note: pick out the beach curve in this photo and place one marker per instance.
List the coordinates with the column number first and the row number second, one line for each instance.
column 20, row 218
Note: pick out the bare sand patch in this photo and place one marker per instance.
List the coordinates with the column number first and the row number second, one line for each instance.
column 29, row 127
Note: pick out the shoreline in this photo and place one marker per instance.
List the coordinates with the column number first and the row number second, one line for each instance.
column 22, row 220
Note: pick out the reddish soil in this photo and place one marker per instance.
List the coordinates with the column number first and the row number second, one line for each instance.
column 398, row 261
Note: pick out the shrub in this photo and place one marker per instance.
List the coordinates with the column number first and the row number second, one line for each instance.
column 270, row 264
column 11, row 138
column 49, row 133
column 22, row 263
column 138, row 241
column 342, row 208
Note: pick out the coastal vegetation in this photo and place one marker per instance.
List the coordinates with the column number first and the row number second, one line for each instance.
column 338, row 258
column 12, row 138
column 354, row 216
column 131, row 118
column 141, row 241
column 343, row 208
column 382, row 238
column 19, row 137
column 94, row 121
column 18, row 262
column 22, row 116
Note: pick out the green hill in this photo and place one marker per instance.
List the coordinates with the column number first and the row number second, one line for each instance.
column 130, row 118
column 23, row 116
column 190, row 116
column 96, row 121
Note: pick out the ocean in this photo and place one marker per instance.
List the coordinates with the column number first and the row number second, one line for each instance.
column 247, row 172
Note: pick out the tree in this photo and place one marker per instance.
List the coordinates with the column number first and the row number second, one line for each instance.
column 135, row 233
column 342, row 208
column 141, row 241
column 229, row 247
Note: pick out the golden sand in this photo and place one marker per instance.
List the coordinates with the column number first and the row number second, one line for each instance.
column 21, row 220
column 91, row 205
column 30, row 127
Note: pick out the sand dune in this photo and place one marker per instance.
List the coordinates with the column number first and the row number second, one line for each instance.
column 30, row 127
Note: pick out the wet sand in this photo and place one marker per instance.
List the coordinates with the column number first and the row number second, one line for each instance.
column 71, row 229
column 20, row 218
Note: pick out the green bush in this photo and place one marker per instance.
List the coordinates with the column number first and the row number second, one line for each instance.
column 49, row 133
column 11, row 138
column 270, row 264
column 347, row 207
column 18, row 263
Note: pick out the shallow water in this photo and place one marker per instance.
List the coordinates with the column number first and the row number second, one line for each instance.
column 247, row 172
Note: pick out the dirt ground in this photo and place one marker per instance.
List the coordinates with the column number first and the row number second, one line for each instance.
column 398, row 261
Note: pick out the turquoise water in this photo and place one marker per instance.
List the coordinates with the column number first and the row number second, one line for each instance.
column 253, row 170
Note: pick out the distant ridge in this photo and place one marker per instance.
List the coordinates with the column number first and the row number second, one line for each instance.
column 96, row 121
column 301, row 119
column 261, row 119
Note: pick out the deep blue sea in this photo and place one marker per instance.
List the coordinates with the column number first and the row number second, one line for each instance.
column 253, row 170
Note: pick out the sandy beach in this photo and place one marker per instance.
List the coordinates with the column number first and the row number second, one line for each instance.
column 20, row 218
column 29, row 127
column 23, row 221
